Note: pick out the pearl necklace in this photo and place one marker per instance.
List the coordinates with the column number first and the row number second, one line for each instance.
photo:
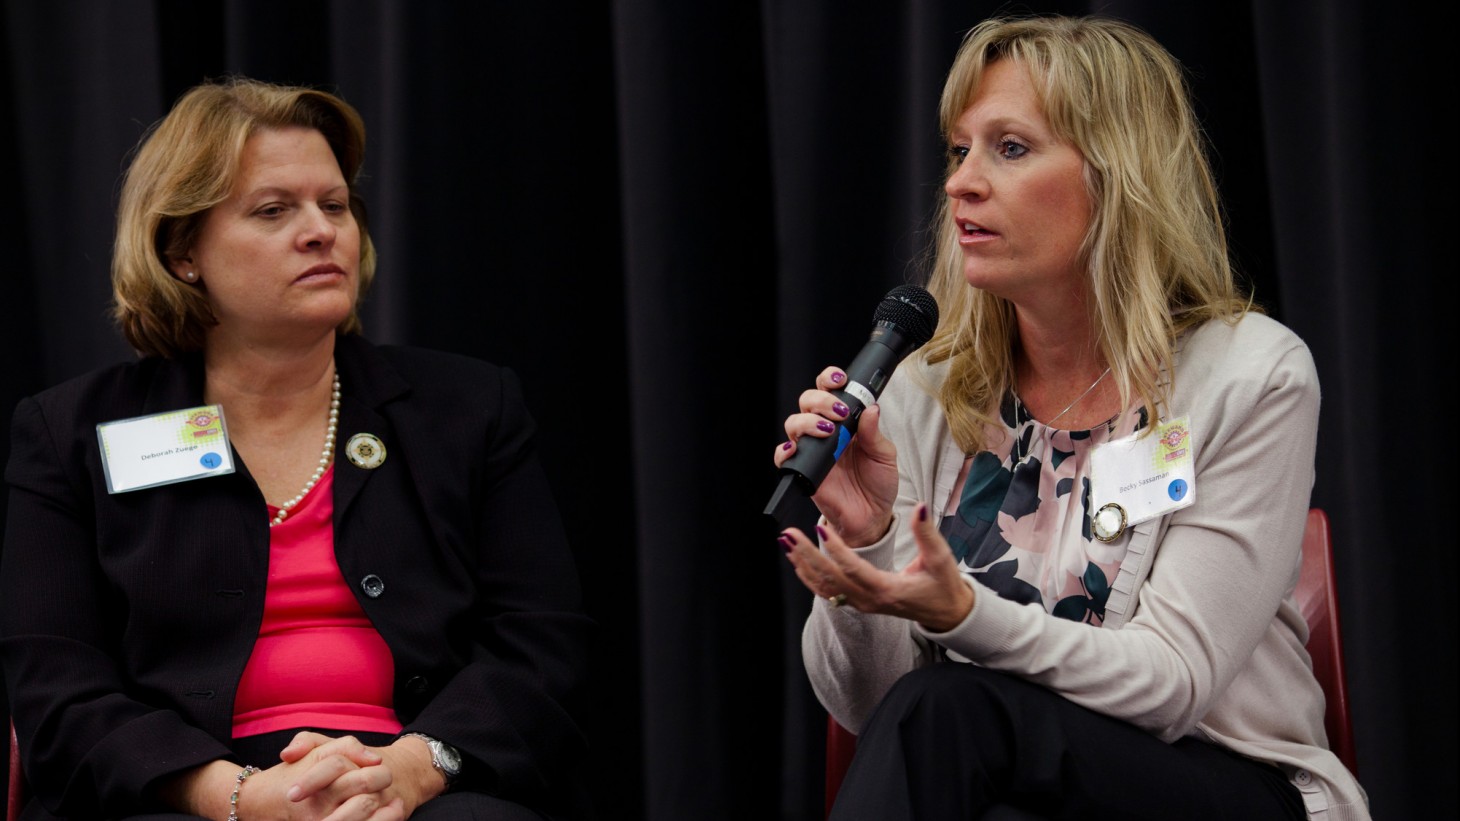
column 324, row 458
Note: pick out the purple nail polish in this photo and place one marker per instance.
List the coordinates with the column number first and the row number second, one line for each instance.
column 821, row 531
column 837, row 377
column 786, row 446
column 825, row 426
column 839, row 409
column 922, row 512
column 787, row 543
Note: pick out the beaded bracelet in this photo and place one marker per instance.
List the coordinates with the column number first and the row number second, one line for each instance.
column 238, row 785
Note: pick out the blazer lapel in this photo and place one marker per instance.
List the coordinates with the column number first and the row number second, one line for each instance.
column 367, row 382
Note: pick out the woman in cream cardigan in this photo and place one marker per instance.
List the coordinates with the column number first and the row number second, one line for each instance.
column 1089, row 488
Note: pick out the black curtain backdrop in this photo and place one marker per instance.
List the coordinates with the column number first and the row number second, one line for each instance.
column 668, row 216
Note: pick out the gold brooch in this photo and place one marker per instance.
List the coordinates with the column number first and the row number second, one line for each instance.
column 365, row 450
column 1108, row 522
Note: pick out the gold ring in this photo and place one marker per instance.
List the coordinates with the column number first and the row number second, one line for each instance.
column 838, row 600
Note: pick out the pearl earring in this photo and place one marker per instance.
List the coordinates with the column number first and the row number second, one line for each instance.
column 190, row 276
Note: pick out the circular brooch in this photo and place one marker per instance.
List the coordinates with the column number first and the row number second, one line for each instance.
column 1108, row 522
column 365, row 450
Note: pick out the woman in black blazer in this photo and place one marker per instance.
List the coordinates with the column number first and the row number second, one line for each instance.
column 130, row 615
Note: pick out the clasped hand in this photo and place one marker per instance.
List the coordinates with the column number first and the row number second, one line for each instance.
column 338, row 779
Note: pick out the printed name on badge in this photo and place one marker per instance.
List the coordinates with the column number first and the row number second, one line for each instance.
column 1144, row 476
column 168, row 447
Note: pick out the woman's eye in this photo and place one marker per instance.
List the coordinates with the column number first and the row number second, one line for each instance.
column 270, row 211
column 957, row 153
column 334, row 207
column 1012, row 149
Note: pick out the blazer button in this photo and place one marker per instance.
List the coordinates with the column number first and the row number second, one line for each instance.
column 372, row 585
column 417, row 685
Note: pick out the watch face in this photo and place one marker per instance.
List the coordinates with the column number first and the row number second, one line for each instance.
column 450, row 758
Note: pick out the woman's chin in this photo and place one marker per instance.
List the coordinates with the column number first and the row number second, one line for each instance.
column 300, row 330
column 978, row 276
column 325, row 312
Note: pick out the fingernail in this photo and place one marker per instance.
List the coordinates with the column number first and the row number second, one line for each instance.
column 826, row 426
column 837, row 377
column 786, row 446
column 293, row 793
column 923, row 512
column 787, row 543
column 839, row 409
column 821, row 531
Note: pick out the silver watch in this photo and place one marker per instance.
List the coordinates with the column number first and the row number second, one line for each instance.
column 444, row 757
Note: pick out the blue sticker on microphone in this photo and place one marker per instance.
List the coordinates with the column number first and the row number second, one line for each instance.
column 843, row 436
column 1177, row 490
column 211, row 460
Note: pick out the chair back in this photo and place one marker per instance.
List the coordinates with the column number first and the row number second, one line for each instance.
column 15, row 794
column 841, row 745
column 1317, row 596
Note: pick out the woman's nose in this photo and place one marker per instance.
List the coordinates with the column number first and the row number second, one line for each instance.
column 968, row 179
column 318, row 228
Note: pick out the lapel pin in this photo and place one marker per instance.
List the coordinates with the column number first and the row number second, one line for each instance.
column 365, row 450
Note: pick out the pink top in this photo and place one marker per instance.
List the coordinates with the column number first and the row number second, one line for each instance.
column 318, row 660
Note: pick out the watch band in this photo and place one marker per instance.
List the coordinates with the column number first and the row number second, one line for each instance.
column 444, row 757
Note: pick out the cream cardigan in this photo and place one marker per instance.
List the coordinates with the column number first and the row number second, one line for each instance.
column 1202, row 635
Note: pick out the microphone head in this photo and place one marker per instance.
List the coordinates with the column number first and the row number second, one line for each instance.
column 910, row 309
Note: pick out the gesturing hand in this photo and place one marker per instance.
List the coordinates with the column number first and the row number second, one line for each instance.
column 930, row 590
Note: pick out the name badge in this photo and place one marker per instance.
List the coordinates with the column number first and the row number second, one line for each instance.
column 1138, row 478
column 174, row 446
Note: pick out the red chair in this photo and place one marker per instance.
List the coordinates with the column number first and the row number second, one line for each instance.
column 15, row 795
column 1317, row 596
column 841, row 745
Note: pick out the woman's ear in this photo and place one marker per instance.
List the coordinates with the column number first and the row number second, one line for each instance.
column 182, row 268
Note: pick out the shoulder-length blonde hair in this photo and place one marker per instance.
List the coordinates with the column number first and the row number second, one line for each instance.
column 185, row 165
column 1155, row 250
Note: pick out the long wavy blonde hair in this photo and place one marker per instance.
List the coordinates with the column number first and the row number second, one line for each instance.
column 1156, row 247
column 185, row 165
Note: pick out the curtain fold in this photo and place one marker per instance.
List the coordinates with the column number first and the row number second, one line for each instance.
column 701, row 294
column 1358, row 242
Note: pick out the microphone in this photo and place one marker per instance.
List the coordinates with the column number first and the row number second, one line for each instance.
column 904, row 320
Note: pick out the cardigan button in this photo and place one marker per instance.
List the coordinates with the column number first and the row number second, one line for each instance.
column 417, row 685
column 373, row 586
column 1303, row 778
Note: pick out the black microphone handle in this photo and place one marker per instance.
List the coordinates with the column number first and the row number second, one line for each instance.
column 866, row 377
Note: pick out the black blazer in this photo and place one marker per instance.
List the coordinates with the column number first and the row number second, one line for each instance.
column 126, row 620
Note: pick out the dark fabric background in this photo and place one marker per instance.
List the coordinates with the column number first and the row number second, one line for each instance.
column 668, row 216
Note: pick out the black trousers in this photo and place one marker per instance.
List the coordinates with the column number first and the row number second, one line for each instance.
column 957, row 741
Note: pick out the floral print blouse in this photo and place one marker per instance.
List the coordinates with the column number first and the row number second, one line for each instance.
column 1021, row 514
